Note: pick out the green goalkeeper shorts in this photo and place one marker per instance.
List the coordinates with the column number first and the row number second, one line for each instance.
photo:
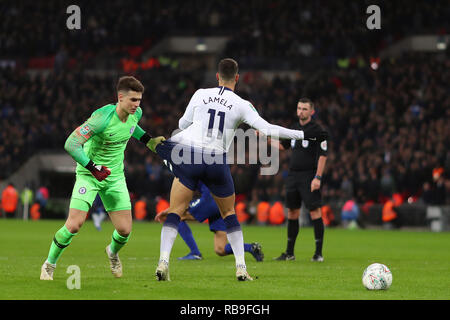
column 114, row 194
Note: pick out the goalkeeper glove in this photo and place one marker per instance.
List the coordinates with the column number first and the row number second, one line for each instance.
column 153, row 142
column 99, row 172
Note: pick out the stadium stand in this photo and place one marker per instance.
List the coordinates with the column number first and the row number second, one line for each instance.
column 389, row 126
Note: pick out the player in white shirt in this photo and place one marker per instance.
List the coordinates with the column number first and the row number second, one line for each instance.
column 213, row 115
column 208, row 128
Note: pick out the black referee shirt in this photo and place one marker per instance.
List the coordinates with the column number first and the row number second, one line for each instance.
column 305, row 153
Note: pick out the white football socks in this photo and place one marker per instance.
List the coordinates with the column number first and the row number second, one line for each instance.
column 168, row 236
column 236, row 240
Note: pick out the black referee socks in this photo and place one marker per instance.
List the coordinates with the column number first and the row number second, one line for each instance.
column 318, row 234
column 293, row 227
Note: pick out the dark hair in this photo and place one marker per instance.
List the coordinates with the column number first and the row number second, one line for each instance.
column 306, row 100
column 228, row 68
column 129, row 83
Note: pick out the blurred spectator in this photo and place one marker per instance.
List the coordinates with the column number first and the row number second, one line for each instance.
column 9, row 201
column 140, row 209
column 35, row 211
column 42, row 196
column 161, row 205
column 263, row 212
column 328, row 216
column 434, row 192
column 276, row 214
column 390, row 215
column 241, row 212
column 26, row 198
column 350, row 214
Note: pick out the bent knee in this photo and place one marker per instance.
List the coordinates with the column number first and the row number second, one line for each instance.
column 74, row 225
column 293, row 214
column 124, row 231
column 73, row 228
column 220, row 251
column 227, row 213
column 316, row 214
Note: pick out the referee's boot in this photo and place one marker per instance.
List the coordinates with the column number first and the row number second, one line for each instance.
column 285, row 257
column 317, row 258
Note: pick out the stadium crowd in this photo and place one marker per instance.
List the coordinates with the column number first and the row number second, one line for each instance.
column 389, row 127
column 264, row 34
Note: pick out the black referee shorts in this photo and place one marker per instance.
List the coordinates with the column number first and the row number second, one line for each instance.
column 298, row 189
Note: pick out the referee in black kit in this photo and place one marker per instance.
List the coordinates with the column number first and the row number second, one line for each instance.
column 304, row 179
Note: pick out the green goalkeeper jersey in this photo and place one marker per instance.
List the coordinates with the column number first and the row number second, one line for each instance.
column 103, row 139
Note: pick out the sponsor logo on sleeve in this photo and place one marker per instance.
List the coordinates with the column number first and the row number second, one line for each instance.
column 323, row 145
column 132, row 129
column 84, row 130
column 82, row 190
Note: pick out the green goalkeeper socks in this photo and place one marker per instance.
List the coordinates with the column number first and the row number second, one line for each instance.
column 118, row 242
column 61, row 240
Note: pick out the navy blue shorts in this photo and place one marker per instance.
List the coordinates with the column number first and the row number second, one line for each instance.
column 206, row 208
column 189, row 166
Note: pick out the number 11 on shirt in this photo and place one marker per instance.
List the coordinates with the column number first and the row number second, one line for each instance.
column 212, row 114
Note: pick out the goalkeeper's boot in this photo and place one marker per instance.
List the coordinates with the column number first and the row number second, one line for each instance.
column 114, row 262
column 242, row 274
column 162, row 271
column 285, row 257
column 47, row 271
column 257, row 251
column 317, row 258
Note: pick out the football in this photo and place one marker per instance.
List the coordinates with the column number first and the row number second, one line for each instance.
column 377, row 276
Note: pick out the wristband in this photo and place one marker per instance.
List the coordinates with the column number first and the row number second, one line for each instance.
column 145, row 138
column 318, row 177
column 90, row 166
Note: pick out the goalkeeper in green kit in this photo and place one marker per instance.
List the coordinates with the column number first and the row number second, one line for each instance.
column 98, row 147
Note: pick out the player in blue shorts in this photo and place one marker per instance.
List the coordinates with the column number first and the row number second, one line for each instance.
column 198, row 153
column 199, row 210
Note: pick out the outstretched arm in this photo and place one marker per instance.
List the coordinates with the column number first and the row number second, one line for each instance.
column 276, row 131
column 274, row 142
column 147, row 139
column 251, row 117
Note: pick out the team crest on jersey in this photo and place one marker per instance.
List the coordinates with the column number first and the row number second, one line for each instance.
column 84, row 130
column 82, row 190
column 132, row 129
column 323, row 145
column 305, row 143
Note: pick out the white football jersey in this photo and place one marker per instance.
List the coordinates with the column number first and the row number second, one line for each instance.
column 213, row 115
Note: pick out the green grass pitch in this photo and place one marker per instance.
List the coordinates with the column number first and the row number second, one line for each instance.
column 419, row 261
